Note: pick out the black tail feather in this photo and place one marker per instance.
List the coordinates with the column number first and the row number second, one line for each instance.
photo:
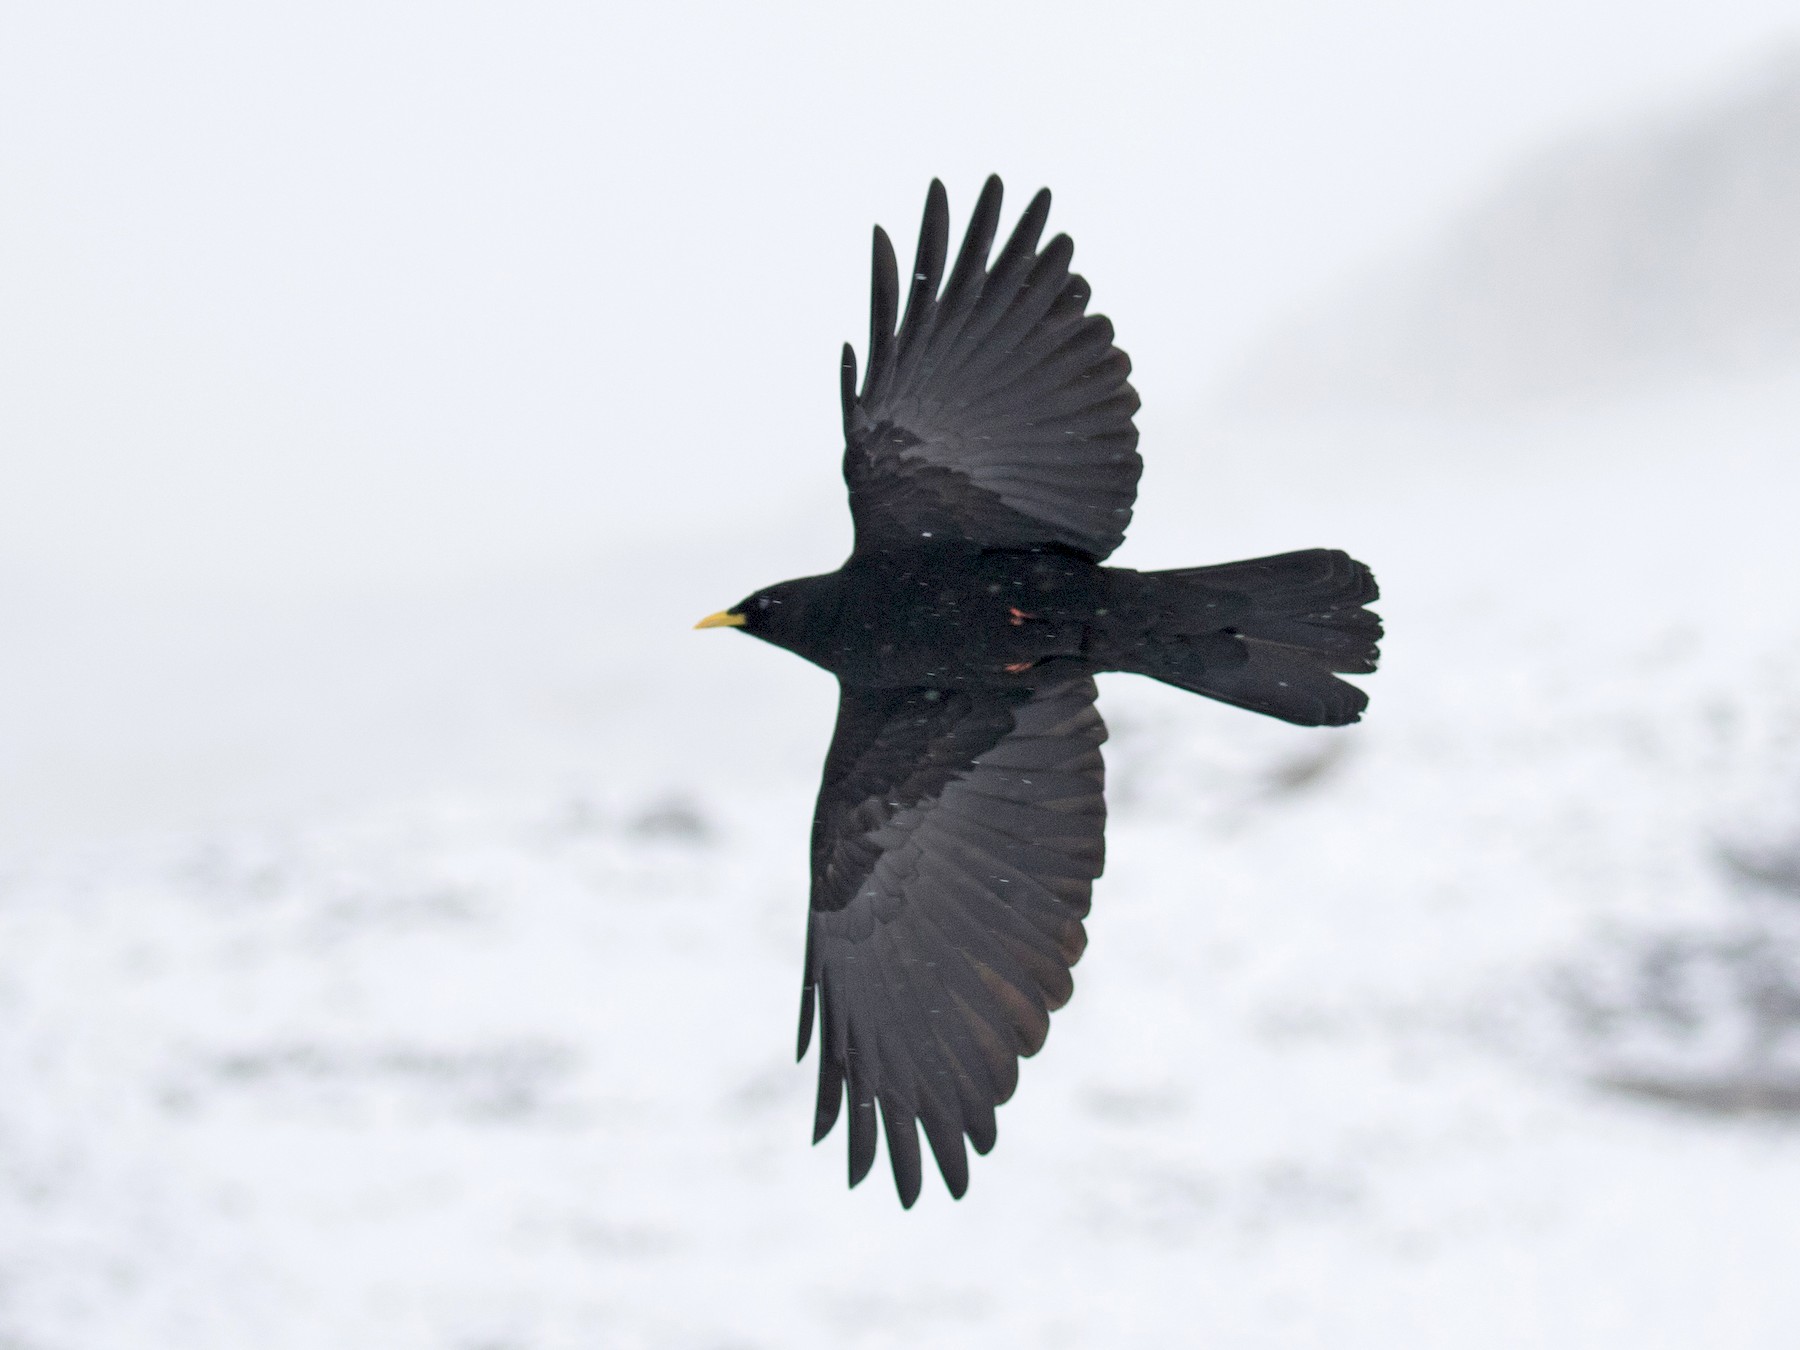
column 1265, row 634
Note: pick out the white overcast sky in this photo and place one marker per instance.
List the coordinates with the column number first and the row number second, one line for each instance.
column 299, row 297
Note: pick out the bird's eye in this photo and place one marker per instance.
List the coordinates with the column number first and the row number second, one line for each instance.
column 762, row 602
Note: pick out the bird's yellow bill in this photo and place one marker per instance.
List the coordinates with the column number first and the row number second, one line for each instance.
column 723, row 619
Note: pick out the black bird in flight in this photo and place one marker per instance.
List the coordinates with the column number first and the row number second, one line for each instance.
column 992, row 463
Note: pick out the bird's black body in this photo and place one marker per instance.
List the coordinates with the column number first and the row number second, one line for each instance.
column 992, row 463
column 944, row 615
column 953, row 616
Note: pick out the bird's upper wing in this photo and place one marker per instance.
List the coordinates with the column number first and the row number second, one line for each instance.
column 999, row 412
column 955, row 846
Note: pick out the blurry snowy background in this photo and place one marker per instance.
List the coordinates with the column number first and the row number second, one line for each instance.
column 401, row 910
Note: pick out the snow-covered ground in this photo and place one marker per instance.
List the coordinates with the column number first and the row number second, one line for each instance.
column 1454, row 1028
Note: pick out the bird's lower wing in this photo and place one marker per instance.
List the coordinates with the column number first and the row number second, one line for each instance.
column 955, row 845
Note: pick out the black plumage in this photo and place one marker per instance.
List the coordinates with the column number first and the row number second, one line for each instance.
column 992, row 464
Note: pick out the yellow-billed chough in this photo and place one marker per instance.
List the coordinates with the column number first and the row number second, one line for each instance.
column 992, row 464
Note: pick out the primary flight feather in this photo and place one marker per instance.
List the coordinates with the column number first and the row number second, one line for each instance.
column 992, row 464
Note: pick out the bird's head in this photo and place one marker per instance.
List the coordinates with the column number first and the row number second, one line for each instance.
column 785, row 614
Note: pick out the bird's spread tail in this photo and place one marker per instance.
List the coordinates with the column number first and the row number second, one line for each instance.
column 1266, row 634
